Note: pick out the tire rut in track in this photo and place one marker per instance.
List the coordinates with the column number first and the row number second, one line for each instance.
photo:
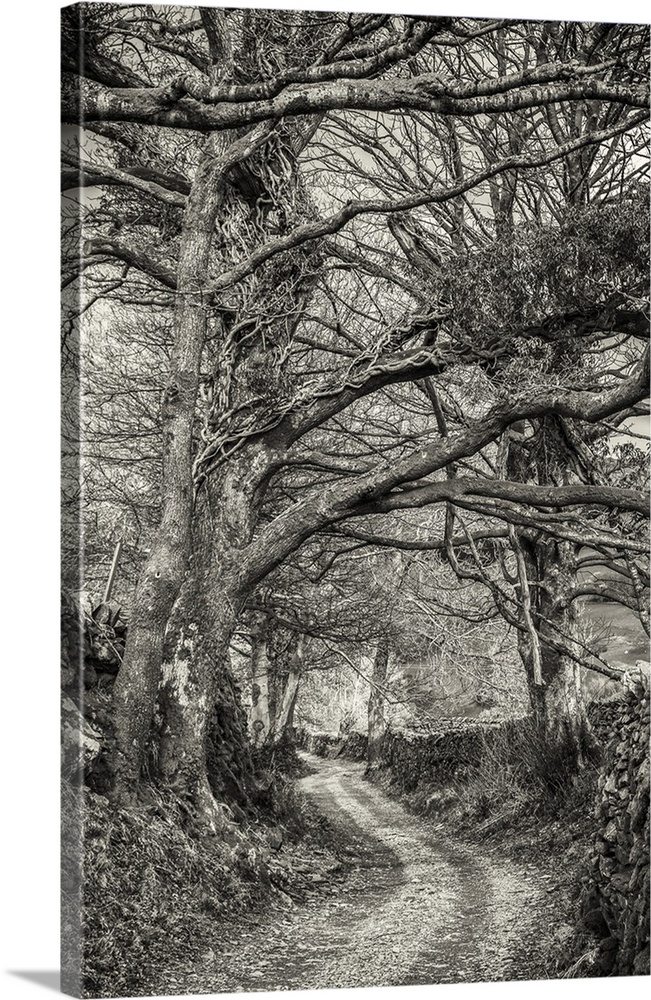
column 416, row 908
column 446, row 922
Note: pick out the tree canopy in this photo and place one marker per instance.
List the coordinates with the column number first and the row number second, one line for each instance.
column 351, row 280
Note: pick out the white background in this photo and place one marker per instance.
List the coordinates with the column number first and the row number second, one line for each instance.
column 29, row 463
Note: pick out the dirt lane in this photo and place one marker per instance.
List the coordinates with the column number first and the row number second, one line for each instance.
column 416, row 909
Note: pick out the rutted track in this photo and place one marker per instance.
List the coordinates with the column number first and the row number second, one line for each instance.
column 417, row 908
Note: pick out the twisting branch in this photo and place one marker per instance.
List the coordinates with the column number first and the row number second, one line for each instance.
column 352, row 69
column 326, row 227
column 555, row 529
column 313, row 406
column 463, row 488
column 373, row 538
column 97, row 249
column 509, row 607
column 171, row 107
column 86, row 174
column 374, row 492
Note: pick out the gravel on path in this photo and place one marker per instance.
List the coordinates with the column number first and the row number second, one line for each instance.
column 417, row 908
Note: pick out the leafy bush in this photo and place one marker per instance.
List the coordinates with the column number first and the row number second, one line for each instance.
column 279, row 758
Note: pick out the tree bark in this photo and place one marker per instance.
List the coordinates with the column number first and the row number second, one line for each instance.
column 260, row 720
column 137, row 683
column 557, row 703
column 284, row 721
column 197, row 682
column 376, row 720
column 549, row 567
column 197, row 642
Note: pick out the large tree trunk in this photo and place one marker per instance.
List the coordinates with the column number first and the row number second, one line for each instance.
column 376, row 720
column 260, row 719
column 228, row 502
column 203, row 746
column 549, row 571
column 137, row 683
column 197, row 682
column 284, row 721
column 197, row 669
column 557, row 703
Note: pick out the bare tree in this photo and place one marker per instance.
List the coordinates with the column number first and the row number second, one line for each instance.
column 289, row 320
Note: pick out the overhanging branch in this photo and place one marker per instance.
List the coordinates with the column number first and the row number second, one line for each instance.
column 334, row 223
column 169, row 106
column 367, row 493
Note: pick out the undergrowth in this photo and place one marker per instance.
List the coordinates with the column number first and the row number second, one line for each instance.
column 154, row 889
column 281, row 758
column 522, row 773
column 519, row 781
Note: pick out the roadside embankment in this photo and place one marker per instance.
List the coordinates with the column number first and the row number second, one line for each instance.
column 499, row 782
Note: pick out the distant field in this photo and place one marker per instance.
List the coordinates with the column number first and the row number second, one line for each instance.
column 621, row 636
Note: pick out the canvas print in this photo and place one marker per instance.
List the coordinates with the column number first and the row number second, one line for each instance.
column 355, row 585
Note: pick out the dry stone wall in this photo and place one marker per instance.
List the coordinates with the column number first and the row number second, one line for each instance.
column 353, row 746
column 615, row 904
column 445, row 753
column 442, row 753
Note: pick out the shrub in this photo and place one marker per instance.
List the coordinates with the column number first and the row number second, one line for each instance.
column 522, row 771
column 279, row 758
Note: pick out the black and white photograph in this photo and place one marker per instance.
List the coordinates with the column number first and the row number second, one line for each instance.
column 354, row 515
